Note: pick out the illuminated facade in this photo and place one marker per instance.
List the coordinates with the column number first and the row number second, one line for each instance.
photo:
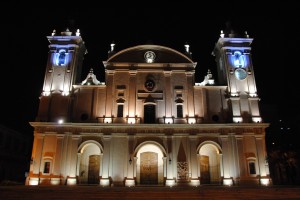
column 149, row 123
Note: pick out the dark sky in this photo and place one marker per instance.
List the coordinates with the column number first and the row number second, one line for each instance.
column 275, row 48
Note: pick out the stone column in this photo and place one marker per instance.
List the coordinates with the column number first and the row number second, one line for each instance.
column 236, row 109
column 227, row 180
column 241, row 156
column 36, row 157
column 171, row 162
column 109, row 93
column 58, row 155
column 198, row 165
column 65, row 157
column 221, row 165
column 168, row 94
column 72, row 179
column 165, row 166
column 190, row 94
column 261, row 155
column 132, row 94
column 38, row 150
column 104, row 181
column 78, row 164
column 56, row 180
column 193, row 161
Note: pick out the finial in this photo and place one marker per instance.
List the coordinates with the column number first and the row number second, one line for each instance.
column 53, row 32
column 187, row 47
column 112, row 46
column 222, row 34
column 246, row 34
column 78, row 32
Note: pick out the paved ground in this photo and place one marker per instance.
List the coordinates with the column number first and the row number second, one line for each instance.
column 156, row 193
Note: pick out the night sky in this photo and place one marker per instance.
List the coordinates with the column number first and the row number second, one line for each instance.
column 275, row 48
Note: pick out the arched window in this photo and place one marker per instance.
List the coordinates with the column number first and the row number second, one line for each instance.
column 47, row 166
column 120, row 110
column 62, row 58
column 179, row 111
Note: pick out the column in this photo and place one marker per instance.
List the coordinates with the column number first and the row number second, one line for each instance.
column 165, row 166
column 171, row 162
column 109, row 93
column 73, row 160
column 37, row 151
column 78, row 164
column 236, row 109
column 190, row 94
column 241, row 156
column 101, row 164
column 132, row 94
column 254, row 109
column 65, row 157
column 193, row 151
column 104, row 181
column 227, row 180
column 261, row 156
column 198, row 165
column 56, row 180
column 168, row 94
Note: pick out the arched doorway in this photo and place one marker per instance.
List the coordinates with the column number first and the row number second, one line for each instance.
column 150, row 164
column 210, row 171
column 89, row 157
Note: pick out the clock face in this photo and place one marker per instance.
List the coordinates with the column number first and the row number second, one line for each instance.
column 149, row 85
column 149, row 56
column 240, row 74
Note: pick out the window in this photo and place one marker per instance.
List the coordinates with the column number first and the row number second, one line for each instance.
column 46, row 167
column 252, row 170
column 179, row 111
column 120, row 110
column 61, row 58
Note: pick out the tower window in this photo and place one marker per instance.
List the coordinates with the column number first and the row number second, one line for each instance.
column 46, row 167
column 252, row 169
column 61, row 58
column 120, row 110
column 179, row 111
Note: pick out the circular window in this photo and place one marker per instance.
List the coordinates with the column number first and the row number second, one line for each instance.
column 149, row 85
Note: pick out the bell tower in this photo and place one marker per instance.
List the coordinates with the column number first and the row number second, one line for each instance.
column 234, row 63
column 65, row 57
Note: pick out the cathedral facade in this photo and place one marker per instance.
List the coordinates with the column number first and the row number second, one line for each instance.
column 149, row 123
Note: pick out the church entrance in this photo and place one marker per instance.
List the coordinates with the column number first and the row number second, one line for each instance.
column 210, row 171
column 93, row 172
column 150, row 164
column 149, row 168
column 149, row 114
column 204, row 170
column 89, row 169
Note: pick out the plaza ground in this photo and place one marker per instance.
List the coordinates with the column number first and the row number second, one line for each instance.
column 149, row 192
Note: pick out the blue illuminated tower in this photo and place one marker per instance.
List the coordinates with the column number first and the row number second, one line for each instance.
column 235, row 69
column 65, row 56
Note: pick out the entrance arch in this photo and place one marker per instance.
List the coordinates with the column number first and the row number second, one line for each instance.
column 209, row 164
column 89, row 162
column 150, row 164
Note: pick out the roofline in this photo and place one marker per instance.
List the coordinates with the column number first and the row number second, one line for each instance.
column 142, row 46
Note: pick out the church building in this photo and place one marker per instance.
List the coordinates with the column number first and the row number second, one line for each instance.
column 149, row 122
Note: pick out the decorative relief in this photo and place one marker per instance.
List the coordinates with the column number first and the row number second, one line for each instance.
column 182, row 170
